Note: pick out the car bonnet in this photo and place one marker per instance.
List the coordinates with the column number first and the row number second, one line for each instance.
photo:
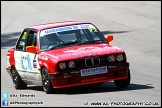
column 82, row 51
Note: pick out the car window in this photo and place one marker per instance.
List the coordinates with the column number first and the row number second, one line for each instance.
column 94, row 33
column 27, row 38
column 31, row 41
column 83, row 36
column 64, row 36
column 70, row 35
column 22, row 41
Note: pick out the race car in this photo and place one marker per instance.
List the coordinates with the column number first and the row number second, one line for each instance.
column 66, row 54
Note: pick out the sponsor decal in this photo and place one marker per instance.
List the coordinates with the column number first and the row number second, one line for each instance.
column 68, row 28
column 75, row 27
column 25, row 62
column 94, row 79
column 60, row 29
column 81, row 49
column 84, row 26
column 94, row 71
column 112, row 66
column 34, row 63
column 75, row 72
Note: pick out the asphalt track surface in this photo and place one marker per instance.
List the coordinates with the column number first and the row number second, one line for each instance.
column 136, row 26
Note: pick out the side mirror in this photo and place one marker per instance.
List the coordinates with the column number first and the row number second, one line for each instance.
column 109, row 37
column 31, row 49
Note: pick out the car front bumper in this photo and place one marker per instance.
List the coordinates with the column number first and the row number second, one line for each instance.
column 116, row 72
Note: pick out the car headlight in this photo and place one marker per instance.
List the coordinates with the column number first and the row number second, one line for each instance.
column 119, row 57
column 62, row 65
column 71, row 64
column 111, row 58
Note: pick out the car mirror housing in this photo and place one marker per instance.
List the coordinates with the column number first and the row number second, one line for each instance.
column 109, row 37
column 31, row 49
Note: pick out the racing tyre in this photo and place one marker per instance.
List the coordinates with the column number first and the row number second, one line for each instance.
column 97, row 84
column 124, row 82
column 17, row 81
column 47, row 85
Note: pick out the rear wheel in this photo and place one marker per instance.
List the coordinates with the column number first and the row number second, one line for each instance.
column 47, row 85
column 123, row 82
column 17, row 81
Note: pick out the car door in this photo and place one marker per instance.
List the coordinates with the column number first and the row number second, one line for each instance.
column 27, row 62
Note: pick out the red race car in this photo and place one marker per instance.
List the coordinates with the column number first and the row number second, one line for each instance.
column 66, row 54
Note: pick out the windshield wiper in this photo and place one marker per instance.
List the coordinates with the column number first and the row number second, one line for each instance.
column 94, row 41
column 64, row 44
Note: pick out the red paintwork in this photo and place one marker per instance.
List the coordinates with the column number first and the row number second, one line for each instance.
column 11, row 54
column 77, row 80
column 72, row 53
column 56, row 24
column 80, row 51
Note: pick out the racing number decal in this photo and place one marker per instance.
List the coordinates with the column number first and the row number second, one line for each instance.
column 92, row 29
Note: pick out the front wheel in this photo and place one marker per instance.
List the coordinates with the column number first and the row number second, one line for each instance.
column 47, row 85
column 123, row 82
column 97, row 84
column 17, row 81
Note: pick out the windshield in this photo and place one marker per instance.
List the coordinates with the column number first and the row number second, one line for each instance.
column 69, row 36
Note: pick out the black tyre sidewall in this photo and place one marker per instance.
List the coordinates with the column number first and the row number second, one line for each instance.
column 48, row 89
column 124, row 82
column 20, row 83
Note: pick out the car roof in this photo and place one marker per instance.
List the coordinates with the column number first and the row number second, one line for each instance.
column 56, row 24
